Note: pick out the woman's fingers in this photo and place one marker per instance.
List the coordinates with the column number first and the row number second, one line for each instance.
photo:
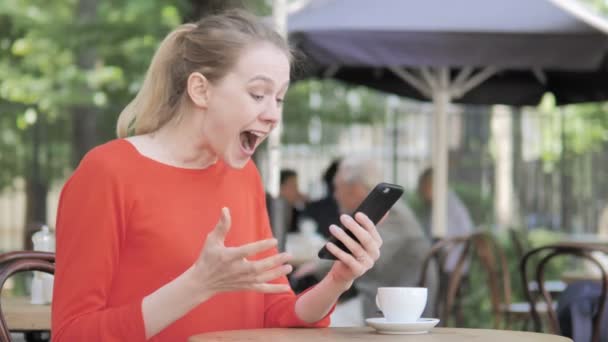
column 271, row 288
column 238, row 253
column 346, row 258
column 272, row 274
column 353, row 246
column 270, row 262
column 366, row 223
column 223, row 226
column 365, row 238
column 228, row 269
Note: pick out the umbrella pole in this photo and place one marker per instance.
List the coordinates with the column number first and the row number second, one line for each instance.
column 279, row 12
column 436, row 85
column 441, row 99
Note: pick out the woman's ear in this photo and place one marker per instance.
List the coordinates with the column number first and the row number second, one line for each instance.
column 198, row 89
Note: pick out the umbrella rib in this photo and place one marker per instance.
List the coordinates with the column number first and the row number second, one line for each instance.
column 331, row 71
column 462, row 76
column 540, row 75
column 414, row 81
column 475, row 80
column 428, row 77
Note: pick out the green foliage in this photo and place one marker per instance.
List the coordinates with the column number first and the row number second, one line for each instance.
column 480, row 207
column 41, row 78
column 573, row 129
column 332, row 102
column 600, row 6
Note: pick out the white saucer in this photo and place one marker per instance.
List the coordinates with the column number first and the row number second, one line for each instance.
column 422, row 326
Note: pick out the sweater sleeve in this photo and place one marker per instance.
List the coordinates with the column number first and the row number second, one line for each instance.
column 279, row 308
column 90, row 226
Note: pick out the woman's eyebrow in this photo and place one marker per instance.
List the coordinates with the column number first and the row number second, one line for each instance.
column 261, row 78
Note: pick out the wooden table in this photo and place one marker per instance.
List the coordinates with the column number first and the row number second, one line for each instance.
column 588, row 239
column 20, row 315
column 368, row 334
column 570, row 277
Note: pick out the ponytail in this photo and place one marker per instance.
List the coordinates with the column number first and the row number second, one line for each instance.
column 152, row 106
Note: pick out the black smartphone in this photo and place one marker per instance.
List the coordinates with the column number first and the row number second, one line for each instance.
column 377, row 203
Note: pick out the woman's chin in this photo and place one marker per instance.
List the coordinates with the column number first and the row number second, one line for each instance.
column 237, row 161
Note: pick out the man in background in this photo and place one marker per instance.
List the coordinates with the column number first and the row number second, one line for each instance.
column 404, row 243
column 325, row 211
column 459, row 222
column 296, row 201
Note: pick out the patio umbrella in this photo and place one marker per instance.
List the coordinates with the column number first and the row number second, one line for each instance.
column 468, row 51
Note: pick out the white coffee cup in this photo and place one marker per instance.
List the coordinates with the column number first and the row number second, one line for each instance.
column 401, row 304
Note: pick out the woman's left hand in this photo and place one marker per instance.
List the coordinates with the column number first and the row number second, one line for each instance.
column 363, row 253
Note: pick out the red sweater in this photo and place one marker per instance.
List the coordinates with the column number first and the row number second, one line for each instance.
column 127, row 225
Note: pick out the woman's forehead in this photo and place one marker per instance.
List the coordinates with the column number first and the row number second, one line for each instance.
column 264, row 63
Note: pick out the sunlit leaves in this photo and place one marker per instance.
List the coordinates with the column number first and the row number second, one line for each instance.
column 170, row 16
column 41, row 80
column 21, row 47
column 574, row 129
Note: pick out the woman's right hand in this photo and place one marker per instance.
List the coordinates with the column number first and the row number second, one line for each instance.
column 220, row 268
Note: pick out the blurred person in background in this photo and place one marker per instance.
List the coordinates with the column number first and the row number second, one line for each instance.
column 289, row 191
column 325, row 211
column 459, row 222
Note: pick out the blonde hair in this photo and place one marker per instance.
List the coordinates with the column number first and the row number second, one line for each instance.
column 211, row 46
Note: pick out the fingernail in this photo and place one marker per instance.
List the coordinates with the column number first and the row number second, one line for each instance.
column 225, row 213
column 347, row 218
column 334, row 229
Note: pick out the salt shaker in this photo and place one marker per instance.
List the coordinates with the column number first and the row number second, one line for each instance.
column 42, row 283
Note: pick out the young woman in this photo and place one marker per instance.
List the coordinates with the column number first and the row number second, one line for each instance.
column 163, row 233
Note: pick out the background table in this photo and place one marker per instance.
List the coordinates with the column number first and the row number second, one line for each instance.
column 20, row 315
column 369, row 334
column 570, row 277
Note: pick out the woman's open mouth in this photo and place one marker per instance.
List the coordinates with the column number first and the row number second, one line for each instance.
column 250, row 140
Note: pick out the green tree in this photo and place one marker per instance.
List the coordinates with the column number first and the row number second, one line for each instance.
column 332, row 102
column 66, row 69
column 599, row 5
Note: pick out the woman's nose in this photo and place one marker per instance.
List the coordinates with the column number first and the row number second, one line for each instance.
column 272, row 114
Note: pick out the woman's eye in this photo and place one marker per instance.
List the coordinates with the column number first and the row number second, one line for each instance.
column 280, row 102
column 257, row 97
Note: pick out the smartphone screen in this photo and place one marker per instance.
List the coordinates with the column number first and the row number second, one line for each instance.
column 377, row 203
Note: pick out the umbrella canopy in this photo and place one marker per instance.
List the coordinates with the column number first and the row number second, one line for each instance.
column 470, row 51
column 535, row 46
